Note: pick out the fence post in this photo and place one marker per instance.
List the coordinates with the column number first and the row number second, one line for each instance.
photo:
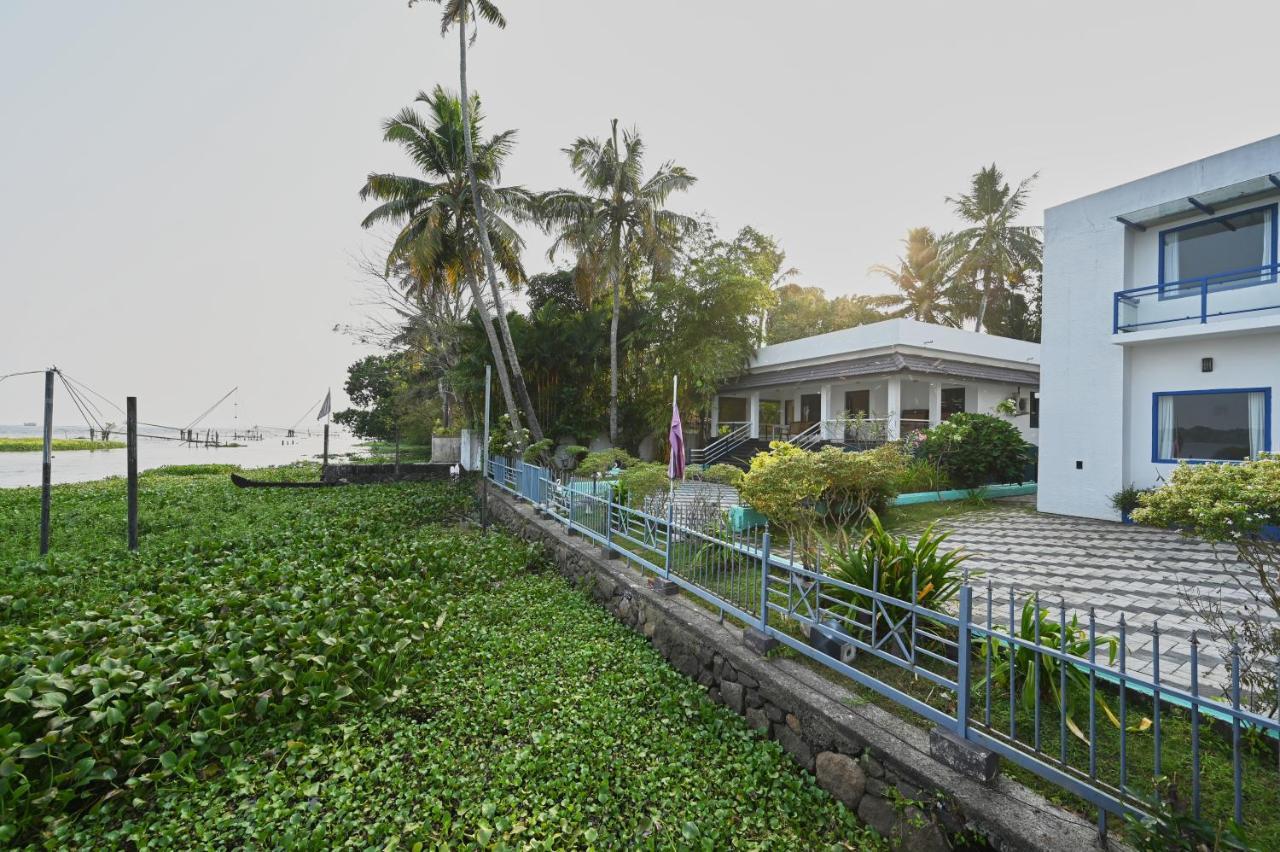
column 131, row 468
column 666, row 562
column 46, row 465
column 608, row 525
column 962, row 663
column 569, row 522
column 765, row 546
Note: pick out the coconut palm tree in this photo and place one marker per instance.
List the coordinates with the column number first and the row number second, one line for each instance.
column 618, row 224
column 457, row 13
column 439, row 237
column 922, row 277
column 993, row 252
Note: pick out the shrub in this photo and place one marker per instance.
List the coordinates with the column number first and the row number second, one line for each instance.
column 1231, row 504
column 561, row 461
column 884, row 562
column 922, row 475
column 798, row 490
column 977, row 449
column 602, row 461
column 721, row 474
column 640, row 481
column 505, row 441
column 1127, row 499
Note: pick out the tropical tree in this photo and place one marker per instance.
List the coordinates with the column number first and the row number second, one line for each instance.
column 456, row 13
column 439, row 236
column 993, row 254
column 618, row 224
column 804, row 311
column 922, row 278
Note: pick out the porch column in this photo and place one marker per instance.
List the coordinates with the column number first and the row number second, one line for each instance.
column 753, row 413
column 715, row 416
column 894, row 406
column 935, row 404
column 825, row 414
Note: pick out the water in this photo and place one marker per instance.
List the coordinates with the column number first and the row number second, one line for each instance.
column 23, row 469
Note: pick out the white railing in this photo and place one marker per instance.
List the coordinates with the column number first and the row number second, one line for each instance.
column 722, row 446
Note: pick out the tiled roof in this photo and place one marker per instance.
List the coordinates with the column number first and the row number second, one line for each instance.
column 888, row 364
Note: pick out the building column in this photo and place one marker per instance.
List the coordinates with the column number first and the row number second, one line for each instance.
column 825, row 414
column 753, row 413
column 935, row 404
column 894, row 405
column 715, row 416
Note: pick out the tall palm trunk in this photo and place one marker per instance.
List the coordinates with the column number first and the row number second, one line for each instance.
column 982, row 302
column 613, row 360
column 513, row 361
column 499, row 362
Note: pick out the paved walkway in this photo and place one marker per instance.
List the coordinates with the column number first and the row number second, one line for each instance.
column 1113, row 568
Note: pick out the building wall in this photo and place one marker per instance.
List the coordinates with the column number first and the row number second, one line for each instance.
column 1238, row 362
column 1088, row 255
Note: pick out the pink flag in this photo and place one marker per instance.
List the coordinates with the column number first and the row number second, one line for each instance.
column 675, row 468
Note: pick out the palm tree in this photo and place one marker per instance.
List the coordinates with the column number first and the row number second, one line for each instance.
column 618, row 224
column 922, row 277
column 457, row 12
column 994, row 253
column 439, row 237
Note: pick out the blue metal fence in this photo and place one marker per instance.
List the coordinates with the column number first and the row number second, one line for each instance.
column 980, row 671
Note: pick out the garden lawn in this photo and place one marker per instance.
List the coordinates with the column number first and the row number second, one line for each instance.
column 349, row 666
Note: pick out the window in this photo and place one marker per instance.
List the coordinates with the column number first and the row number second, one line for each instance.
column 1035, row 410
column 1217, row 425
column 857, row 403
column 1225, row 252
column 953, row 400
column 733, row 409
column 810, row 407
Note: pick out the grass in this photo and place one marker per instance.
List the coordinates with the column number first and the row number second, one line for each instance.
column 384, row 452
column 354, row 667
column 35, row 445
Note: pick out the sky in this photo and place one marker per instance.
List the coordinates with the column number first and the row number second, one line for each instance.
column 178, row 180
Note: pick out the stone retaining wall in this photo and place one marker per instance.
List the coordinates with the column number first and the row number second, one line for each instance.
column 875, row 763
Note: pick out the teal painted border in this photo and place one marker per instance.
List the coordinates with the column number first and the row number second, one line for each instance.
column 964, row 493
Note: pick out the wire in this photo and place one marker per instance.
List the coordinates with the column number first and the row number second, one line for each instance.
column 209, row 411
column 24, row 373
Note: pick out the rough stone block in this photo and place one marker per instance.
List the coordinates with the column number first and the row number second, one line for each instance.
column 917, row 832
column 759, row 642
column 732, row 693
column 795, row 746
column 842, row 777
column 793, row 722
column 879, row 814
column 757, row 719
column 969, row 759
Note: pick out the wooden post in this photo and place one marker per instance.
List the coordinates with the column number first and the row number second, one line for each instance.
column 46, row 472
column 397, row 449
column 131, row 427
column 324, row 466
column 484, row 456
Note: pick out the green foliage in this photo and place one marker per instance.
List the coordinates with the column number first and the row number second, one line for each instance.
column 505, row 441
column 192, row 470
column 562, row 460
column 602, row 461
column 806, row 311
column 640, row 481
column 922, row 475
column 1171, row 826
column 977, row 449
column 62, row 445
column 721, row 474
column 1039, row 624
column 1127, row 499
column 387, row 391
column 888, row 563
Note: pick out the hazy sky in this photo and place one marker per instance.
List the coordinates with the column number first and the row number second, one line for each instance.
column 178, row 208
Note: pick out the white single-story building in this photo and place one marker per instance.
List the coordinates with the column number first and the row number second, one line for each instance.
column 1161, row 335
column 876, row 382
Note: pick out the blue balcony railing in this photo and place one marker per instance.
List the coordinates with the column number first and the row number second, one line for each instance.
column 1197, row 300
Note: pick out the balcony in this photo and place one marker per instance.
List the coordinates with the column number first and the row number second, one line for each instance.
column 1198, row 301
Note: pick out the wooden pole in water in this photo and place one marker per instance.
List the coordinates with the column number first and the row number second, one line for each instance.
column 484, row 456
column 324, row 466
column 397, row 449
column 46, row 471
column 131, row 427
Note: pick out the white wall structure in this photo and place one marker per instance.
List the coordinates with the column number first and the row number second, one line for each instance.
column 1120, row 327
column 898, row 369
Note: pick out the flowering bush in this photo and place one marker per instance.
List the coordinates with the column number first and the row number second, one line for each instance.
column 977, row 449
column 1232, row 504
column 504, row 441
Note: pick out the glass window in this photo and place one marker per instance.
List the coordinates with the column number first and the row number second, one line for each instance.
column 1228, row 251
column 952, row 402
column 1212, row 425
column 810, row 407
column 733, row 409
column 857, row 403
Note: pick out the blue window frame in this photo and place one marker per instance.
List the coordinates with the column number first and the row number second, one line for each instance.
column 1181, row 286
column 1215, row 425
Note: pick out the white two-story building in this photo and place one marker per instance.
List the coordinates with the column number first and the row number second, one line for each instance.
column 1161, row 333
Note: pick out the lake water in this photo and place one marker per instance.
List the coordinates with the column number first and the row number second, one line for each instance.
column 23, row 469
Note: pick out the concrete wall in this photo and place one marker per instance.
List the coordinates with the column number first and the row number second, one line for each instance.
column 1085, row 413
column 446, row 450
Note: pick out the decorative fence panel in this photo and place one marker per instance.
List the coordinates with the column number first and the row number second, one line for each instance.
column 1022, row 679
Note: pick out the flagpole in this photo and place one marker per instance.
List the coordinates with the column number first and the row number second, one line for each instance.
column 675, row 384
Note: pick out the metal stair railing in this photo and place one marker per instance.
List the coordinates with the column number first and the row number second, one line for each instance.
column 722, row 446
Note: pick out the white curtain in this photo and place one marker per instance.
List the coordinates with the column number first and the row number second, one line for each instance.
column 1257, row 423
column 1266, row 242
column 1164, row 428
column 1171, row 258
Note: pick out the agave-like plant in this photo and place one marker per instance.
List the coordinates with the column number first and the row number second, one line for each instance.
column 1023, row 661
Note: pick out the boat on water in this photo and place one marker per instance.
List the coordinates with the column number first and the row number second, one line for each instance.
column 28, row 424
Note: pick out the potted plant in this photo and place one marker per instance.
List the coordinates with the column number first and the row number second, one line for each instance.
column 1126, row 500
